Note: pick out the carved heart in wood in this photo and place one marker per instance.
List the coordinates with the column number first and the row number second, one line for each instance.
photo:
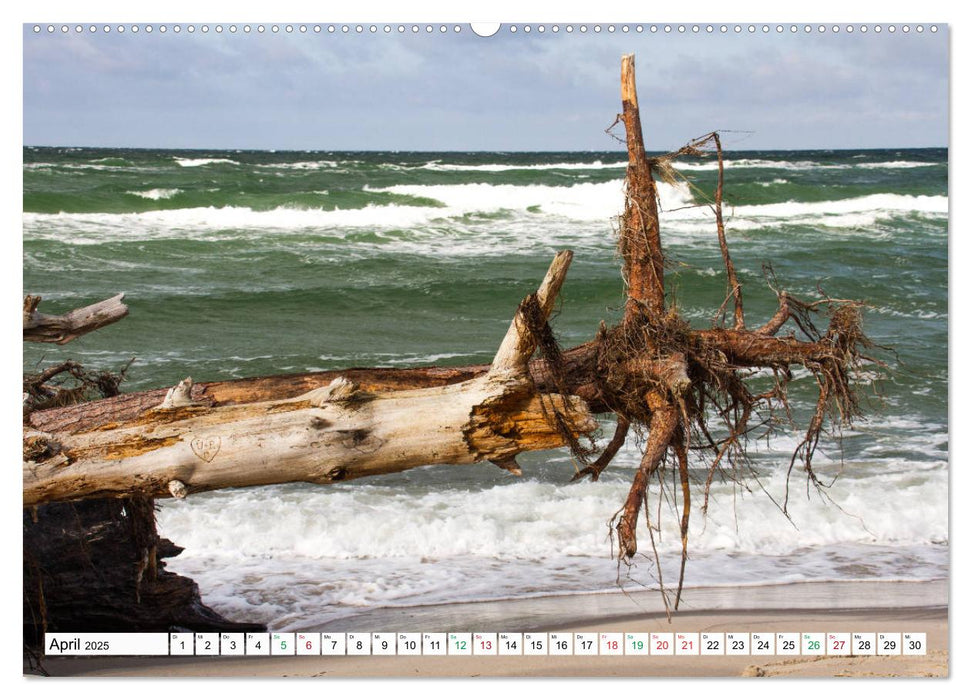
column 206, row 449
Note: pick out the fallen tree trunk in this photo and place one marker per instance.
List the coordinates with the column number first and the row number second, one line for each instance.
column 580, row 363
column 47, row 328
column 328, row 434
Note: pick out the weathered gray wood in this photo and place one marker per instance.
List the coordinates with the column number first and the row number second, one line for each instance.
column 579, row 368
column 518, row 345
column 47, row 328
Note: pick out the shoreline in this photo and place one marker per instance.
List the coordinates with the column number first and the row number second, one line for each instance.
column 825, row 607
column 545, row 613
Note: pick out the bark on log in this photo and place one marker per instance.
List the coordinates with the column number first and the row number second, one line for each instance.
column 579, row 367
column 328, row 434
column 47, row 328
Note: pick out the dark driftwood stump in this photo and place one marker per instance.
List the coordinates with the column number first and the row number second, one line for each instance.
column 97, row 566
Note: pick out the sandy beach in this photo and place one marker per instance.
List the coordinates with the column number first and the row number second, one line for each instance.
column 811, row 607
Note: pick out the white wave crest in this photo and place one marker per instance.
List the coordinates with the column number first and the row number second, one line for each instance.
column 81, row 166
column 835, row 216
column 177, row 222
column 533, row 519
column 585, row 202
column 156, row 194
column 502, row 167
column 798, row 165
column 841, row 213
column 580, row 202
column 755, row 163
column 896, row 164
column 292, row 555
column 196, row 162
column 530, row 215
column 304, row 165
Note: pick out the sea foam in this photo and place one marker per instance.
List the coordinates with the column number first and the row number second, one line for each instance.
column 583, row 202
column 292, row 556
column 504, row 167
column 197, row 162
column 532, row 215
column 156, row 193
column 532, row 519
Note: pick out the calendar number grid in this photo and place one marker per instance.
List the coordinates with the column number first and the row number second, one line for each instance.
column 635, row 644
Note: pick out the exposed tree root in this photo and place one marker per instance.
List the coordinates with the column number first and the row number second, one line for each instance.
column 682, row 384
column 67, row 384
column 610, row 451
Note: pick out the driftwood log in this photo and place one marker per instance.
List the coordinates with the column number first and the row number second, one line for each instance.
column 47, row 328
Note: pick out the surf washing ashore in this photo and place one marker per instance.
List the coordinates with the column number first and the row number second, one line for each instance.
column 244, row 263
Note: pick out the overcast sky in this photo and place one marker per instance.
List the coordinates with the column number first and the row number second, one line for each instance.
column 463, row 92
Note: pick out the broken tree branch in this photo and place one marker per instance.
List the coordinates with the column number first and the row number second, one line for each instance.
column 47, row 328
column 518, row 344
column 640, row 234
column 735, row 289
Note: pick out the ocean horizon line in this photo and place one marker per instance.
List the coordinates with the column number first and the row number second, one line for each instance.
column 619, row 151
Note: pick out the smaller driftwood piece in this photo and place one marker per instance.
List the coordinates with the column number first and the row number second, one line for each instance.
column 48, row 328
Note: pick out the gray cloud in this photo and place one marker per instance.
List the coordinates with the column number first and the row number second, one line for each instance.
column 462, row 92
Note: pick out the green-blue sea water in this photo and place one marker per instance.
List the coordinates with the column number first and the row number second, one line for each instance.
column 242, row 263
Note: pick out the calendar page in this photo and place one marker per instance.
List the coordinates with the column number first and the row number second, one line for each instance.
column 457, row 349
